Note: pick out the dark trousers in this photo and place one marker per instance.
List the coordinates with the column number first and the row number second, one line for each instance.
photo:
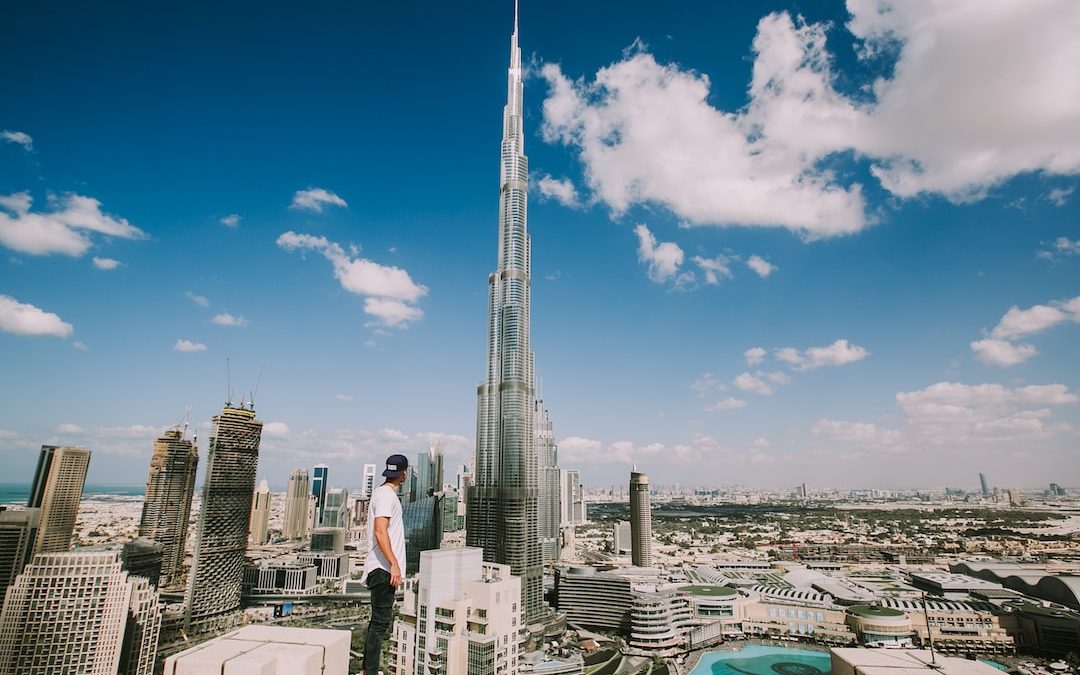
column 382, row 608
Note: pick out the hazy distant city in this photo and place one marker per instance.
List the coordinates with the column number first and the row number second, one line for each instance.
column 773, row 371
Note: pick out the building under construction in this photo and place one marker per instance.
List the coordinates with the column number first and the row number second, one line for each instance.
column 167, row 508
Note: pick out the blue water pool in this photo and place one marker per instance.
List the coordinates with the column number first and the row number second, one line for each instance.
column 762, row 660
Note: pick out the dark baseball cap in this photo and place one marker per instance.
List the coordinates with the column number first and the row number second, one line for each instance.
column 395, row 466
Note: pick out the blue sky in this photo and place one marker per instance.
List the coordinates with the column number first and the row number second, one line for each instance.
column 773, row 244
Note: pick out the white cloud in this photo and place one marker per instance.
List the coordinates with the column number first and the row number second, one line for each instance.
column 275, row 429
column 1002, row 353
column 314, row 199
column 839, row 353
column 961, row 414
column 227, row 319
column 343, row 397
column 69, row 428
column 714, row 268
column 1059, row 196
column 1067, row 246
column 646, row 132
column 754, row 356
column 561, row 190
column 231, row 220
column 760, row 265
column 706, row 384
column 663, row 259
column 64, row 229
column 105, row 263
column 24, row 319
column 189, row 346
column 729, row 403
column 390, row 293
column 856, row 432
column 753, row 383
column 19, row 138
column 199, row 300
column 1017, row 323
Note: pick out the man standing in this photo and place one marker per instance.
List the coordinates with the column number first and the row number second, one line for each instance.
column 385, row 558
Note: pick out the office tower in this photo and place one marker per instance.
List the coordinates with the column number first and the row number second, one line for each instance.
column 260, row 514
column 640, row 520
column 319, row 476
column 1014, row 497
column 437, row 459
column 79, row 612
column 18, row 530
column 368, row 483
column 502, row 515
column 296, row 505
column 267, row 649
column 336, row 508
column 166, row 512
column 423, row 528
column 312, row 513
column 143, row 558
column 984, row 485
column 571, row 498
column 460, row 616
column 547, row 460
column 217, row 570
column 620, row 537
column 56, row 491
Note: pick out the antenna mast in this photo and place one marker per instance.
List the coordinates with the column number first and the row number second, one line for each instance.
column 228, row 383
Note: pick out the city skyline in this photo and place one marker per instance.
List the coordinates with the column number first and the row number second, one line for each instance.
column 896, row 308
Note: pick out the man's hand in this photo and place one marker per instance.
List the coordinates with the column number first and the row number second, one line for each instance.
column 395, row 575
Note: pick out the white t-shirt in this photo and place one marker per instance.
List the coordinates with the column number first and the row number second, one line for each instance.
column 385, row 504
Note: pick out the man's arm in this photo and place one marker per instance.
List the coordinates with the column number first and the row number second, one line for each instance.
column 382, row 539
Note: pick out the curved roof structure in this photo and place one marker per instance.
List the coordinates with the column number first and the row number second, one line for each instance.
column 1063, row 588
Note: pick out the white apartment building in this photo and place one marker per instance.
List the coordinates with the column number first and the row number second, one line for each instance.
column 460, row 616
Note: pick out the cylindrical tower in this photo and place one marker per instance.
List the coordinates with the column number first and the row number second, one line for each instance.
column 640, row 520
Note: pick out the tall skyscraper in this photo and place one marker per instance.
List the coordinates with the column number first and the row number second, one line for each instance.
column 18, row 531
column 166, row 512
column 217, row 571
column 640, row 520
column 368, row 484
column 571, row 498
column 503, row 515
column 548, row 469
column 296, row 505
column 260, row 514
column 984, row 485
column 319, row 476
column 422, row 519
column 56, row 491
column 336, row 508
column 79, row 612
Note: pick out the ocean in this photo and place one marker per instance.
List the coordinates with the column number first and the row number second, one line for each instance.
column 18, row 493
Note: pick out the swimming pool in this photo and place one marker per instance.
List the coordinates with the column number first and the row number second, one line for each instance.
column 763, row 660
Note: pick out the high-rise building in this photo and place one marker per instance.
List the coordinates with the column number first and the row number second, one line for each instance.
column 260, row 514
column 620, row 537
column 319, row 477
column 547, row 460
column 143, row 558
column 503, row 510
column 640, row 520
column 368, row 483
column 56, row 491
column 166, row 512
column 217, row 570
column 336, row 508
column 296, row 505
column 18, row 531
column 571, row 498
column 423, row 528
column 460, row 616
column 79, row 612
column 984, row 485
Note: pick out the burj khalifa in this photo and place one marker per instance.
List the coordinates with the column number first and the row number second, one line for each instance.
column 503, row 510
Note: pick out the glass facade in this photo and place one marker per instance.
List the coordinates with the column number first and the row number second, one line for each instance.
column 423, row 529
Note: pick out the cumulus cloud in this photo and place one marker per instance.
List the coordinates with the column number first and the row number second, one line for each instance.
column 227, row 319
column 231, row 220
column 839, row 353
column 714, row 268
column 65, row 228
column 105, row 263
column 663, row 259
column 314, row 199
column 1001, row 352
column 275, row 429
column 18, row 138
column 856, row 432
column 645, row 132
column 706, row 384
column 25, row 319
column 729, row 403
column 353, row 445
column 755, row 383
column 754, row 356
column 199, row 300
column 189, row 346
column 561, row 190
column 390, row 293
column 1063, row 247
column 760, row 265
column 1059, row 196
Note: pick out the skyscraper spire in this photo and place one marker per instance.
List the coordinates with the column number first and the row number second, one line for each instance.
column 502, row 515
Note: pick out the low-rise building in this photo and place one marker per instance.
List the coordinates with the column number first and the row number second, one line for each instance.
column 267, row 650
column 278, row 577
